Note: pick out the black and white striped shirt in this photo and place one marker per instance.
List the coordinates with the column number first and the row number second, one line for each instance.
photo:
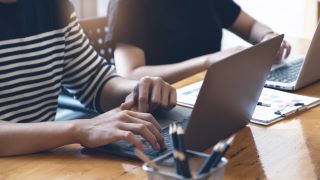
column 42, row 48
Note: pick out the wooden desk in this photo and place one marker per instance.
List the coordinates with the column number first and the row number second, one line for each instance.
column 289, row 149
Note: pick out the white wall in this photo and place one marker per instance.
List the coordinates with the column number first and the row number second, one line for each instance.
column 102, row 7
column 296, row 18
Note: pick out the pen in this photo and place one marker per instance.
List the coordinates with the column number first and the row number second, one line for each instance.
column 146, row 159
column 263, row 104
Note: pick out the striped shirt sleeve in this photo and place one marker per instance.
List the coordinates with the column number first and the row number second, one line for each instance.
column 85, row 72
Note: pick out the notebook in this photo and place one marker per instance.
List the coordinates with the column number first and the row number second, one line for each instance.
column 273, row 105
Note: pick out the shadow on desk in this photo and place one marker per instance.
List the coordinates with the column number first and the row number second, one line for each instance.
column 243, row 158
column 310, row 126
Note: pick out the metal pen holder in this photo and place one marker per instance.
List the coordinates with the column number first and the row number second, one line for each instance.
column 167, row 170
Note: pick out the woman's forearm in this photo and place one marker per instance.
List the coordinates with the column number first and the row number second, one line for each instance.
column 21, row 138
column 249, row 29
column 171, row 73
column 175, row 72
column 131, row 63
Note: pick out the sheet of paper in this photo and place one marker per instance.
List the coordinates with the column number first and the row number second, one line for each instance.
column 283, row 102
column 187, row 95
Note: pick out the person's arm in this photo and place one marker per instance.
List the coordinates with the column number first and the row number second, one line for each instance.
column 17, row 139
column 131, row 63
column 84, row 74
column 147, row 94
column 254, row 32
column 24, row 138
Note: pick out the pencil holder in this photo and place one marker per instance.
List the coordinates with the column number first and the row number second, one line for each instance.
column 167, row 170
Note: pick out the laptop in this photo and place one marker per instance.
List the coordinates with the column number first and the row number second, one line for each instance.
column 297, row 73
column 226, row 102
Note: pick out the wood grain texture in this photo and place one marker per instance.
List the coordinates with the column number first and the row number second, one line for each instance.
column 289, row 149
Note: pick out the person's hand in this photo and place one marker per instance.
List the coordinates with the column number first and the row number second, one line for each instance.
column 108, row 113
column 149, row 94
column 215, row 57
column 284, row 50
column 115, row 126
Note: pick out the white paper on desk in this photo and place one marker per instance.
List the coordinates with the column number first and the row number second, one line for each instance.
column 187, row 95
column 279, row 100
column 282, row 101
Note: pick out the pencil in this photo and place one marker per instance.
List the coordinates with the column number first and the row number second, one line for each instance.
column 185, row 163
column 225, row 149
column 180, row 134
column 209, row 161
column 173, row 134
column 146, row 159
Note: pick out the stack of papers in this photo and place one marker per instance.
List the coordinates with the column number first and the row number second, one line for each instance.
column 274, row 104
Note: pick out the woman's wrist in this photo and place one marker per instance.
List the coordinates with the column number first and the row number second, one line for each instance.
column 207, row 61
column 73, row 131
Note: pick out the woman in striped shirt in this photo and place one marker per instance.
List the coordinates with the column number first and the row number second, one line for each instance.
column 42, row 49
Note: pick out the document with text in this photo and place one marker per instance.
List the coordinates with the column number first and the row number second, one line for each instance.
column 273, row 105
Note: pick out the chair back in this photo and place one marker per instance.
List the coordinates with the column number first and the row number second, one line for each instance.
column 96, row 29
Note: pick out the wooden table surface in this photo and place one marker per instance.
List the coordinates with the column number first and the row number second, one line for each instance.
column 289, row 149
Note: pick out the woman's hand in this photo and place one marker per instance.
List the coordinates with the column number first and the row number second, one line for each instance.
column 284, row 50
column 149, row 94
column 115, row 126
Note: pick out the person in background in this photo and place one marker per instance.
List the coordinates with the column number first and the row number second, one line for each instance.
column 42, row 49
column 174, row 39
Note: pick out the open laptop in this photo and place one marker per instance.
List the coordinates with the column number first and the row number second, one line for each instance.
column 297, row 73
column 225, row 104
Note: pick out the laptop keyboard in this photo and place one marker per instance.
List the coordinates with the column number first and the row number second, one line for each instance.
column 127, row 149
column 179, row 115
column 152, row 153
column 286, row 74
column 167, row 139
